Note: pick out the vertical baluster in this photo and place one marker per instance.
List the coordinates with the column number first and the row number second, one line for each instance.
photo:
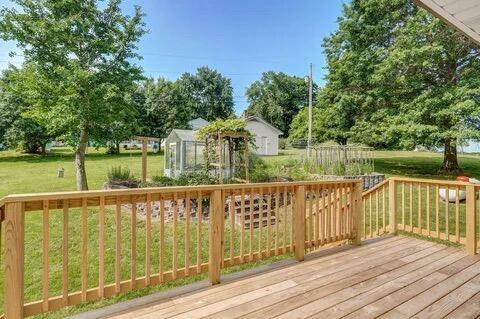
column 403, row 206
column 148, row 235
column 269, row 221
column 277, row 215
column 383, row 210
column 334, row 213
column 310, row 217
column 317, row 215
column 175, row 236
column 341, row 208
column 428, row 209
column 161, row 245
column 252, row 206
column 101, row 248
column 232, row 225
column 370, row 214
column 292, row 199
column 187, row 234
column 133, row 230
column 84, row 249
column 260, row 221
column 118, row 243
column 242, row 234
column 364, row 213
column 376, row 212
column 419, row 207
column 325, row 214
column 336, row 206
column 199, row 231
column 457, row 215
column 64, row 253
column 45, row 242
column 329, row 213
column 411, row 207
column 437, row 210
column 447, row 204
column 285, row 220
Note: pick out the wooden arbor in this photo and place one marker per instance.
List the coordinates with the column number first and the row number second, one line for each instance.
column 226, row 153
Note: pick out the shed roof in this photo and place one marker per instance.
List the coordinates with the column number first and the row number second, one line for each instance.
column 259, row 119
column 464, row 15
column 185, row 135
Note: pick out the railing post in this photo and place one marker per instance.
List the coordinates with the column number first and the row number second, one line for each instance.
column 216, row 224
column 299, row 223
column 14, row 259
column 357, row 213
column 392, row 205
column 471, row 220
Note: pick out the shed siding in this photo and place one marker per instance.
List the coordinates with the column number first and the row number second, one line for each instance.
column 262, row 132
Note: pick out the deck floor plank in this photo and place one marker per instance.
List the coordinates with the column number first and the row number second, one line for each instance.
column 394, row 277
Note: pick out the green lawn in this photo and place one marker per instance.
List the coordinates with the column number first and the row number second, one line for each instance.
column 23, row 173
column 20, row 173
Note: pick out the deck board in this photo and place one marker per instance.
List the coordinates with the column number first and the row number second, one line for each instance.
column 395, row 277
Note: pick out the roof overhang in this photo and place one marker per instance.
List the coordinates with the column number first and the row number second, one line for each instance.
column 463, row 15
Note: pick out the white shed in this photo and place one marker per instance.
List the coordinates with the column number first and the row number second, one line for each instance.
column 266, row 135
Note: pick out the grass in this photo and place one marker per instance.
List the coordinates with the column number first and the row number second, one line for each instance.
column 21, row 173
column 24, row 173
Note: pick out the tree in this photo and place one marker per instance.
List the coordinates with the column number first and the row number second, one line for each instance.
column 432, row 75
column 277, row 98
column 16, row 130
column 208, row 94
column 80, row 57
column 161, row 108
column 399, row 77
column 299, row 131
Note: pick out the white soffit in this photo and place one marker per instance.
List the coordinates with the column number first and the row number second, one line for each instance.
column 464, row 15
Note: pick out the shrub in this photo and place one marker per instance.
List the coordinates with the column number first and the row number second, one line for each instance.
column 160, row 181
column 282, row 143
column 195, row 178
column 118, row 173
column 258, row 169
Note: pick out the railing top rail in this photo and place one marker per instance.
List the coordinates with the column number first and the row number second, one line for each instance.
column 429, row 181
column 158, row 190
column 375, row 187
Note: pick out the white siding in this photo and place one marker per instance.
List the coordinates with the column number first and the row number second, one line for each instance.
column 262, row 131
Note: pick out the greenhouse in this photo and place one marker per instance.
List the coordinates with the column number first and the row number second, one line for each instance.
column 183, row 153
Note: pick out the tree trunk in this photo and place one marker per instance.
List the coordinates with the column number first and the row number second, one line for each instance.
column 117, row 147
column 80, row 161
column 450, row 161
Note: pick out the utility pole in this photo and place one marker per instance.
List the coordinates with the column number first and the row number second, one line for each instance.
column 310, row 102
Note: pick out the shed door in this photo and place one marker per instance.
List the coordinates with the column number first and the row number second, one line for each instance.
column 263, row 145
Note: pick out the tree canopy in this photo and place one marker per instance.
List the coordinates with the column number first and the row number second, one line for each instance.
column 207, row 94
column 78, row 74
column 399, row 77
column 277, row 98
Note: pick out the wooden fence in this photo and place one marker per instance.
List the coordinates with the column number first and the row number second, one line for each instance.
column 63, row 249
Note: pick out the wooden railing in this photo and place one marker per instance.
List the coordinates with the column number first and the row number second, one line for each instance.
column 444, row 210
column 63, row 249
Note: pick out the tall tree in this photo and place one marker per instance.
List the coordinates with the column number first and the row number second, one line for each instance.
column 432, row 76
column 207, row 93
column 81, row 57
column 161, row 107
column 277, row 98
column 399, row 77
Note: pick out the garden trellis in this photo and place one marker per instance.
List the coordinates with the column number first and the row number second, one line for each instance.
column 343, row 160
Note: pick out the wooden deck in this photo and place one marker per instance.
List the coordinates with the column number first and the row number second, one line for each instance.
column 394, row 277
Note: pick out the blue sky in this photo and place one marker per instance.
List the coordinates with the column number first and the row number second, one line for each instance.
column 240, row 39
